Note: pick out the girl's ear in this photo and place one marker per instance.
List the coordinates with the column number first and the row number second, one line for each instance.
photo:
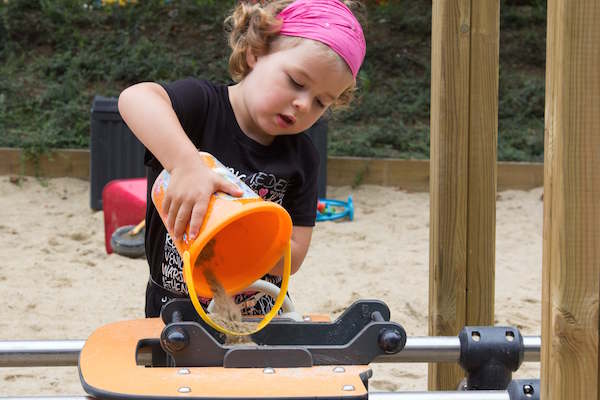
column 250, row 58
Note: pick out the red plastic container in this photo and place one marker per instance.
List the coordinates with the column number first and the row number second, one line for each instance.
column 123, row 203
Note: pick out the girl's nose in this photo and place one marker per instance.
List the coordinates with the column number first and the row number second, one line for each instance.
column 302, row 102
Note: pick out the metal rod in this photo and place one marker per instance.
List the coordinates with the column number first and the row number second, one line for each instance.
column 39, row 353
column 466, row 395
column 473, row 395
column 447, row 349
column 426, row 349
column 48, row 398
column 533, row 346
column 45, row 353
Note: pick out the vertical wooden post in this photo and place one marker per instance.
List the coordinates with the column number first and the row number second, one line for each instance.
column 464, row 132
column 571, row 250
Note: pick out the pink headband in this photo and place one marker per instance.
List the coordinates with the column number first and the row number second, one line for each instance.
column 329, row 22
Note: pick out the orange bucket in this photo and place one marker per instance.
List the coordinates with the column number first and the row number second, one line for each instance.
column 240, row 240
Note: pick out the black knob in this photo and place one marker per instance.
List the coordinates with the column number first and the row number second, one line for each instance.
column 390, row 340
column 174, row 340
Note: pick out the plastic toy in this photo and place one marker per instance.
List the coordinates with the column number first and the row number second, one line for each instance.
column 329, row 210
column 224, row 246
column 128, row 240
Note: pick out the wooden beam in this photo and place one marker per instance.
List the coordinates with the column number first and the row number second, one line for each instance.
column 520, row 175
column 483, row 142
column 464, row 120
column 413, row 175
column 409, row 175
column 56, row 163
column 571, row 249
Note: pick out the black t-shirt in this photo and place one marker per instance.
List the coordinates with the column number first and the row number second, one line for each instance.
column 284, row 172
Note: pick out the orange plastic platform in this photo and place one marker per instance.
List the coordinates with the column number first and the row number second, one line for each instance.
column 123, row 203
column 108, row 369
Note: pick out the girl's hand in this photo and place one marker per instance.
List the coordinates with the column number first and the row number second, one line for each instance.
column 189, row 192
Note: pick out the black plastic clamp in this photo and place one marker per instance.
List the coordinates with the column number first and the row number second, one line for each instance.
column 489, row 356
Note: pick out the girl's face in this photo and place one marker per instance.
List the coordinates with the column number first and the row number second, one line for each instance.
column 289, row 89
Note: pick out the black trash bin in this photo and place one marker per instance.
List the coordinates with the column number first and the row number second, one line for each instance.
column 115, row 152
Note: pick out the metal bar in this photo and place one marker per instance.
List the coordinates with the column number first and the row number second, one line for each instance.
column 466, row 395
column 48, row 398
column 45, row 353
column 447, row 349
column 40, row 353
column 533, row 345
column 473, row 395
column 426, row 349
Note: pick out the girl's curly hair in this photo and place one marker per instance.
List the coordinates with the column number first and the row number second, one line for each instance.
column 254, row 26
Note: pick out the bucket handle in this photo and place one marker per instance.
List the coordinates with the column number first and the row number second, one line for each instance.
column 266, row 287
column 287, row 269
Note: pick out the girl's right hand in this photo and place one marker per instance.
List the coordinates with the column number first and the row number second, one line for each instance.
column 190, row 187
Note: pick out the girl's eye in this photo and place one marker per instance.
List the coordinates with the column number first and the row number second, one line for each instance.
column 294, row 83
column 320, row 103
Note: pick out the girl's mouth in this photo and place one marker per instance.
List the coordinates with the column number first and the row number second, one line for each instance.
column 285, row 121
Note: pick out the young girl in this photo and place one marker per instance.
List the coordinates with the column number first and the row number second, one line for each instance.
column 292, row 60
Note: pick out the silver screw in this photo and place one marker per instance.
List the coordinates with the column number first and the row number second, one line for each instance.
column 268, row 370
column 339, row 369
column 528, row 390
column 348, row 388
column 510, row 336
column 183, row 371
column 184, row 389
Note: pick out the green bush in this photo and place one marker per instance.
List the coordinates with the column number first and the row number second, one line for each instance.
column 57, row 54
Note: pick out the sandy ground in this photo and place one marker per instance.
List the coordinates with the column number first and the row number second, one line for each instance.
column 57, row 282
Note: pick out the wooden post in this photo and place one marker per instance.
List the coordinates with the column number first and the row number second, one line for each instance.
column 571, row 250
column 463, row 174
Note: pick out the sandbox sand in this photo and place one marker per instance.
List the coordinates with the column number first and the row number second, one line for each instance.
column 57, row 282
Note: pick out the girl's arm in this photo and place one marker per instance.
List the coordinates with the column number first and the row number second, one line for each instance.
column 147, row 110
column 300, row 241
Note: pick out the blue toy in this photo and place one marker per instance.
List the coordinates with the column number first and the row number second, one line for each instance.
column 329, row 210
